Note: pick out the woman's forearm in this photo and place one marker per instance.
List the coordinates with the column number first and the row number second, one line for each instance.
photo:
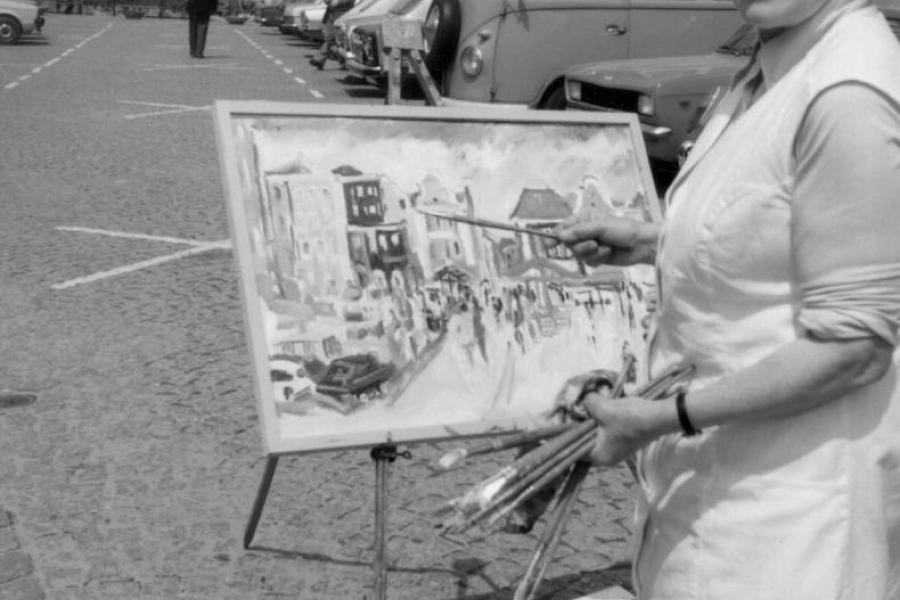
column 801, row 376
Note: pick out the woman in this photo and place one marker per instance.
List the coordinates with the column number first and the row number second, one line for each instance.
column 776, row 473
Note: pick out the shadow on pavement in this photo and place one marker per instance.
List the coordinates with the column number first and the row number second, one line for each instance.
column 365, row 92
column 566, row 587
column 33, row 41
column 346, row 562
column 297, row 43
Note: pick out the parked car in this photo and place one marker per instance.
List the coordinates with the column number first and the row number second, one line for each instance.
column 269, row 15
column 310, row 27
column 668, row 94
column 502, row 51
column 290, row 16
column 362, row 44
column 355, row 375
column 18, row 18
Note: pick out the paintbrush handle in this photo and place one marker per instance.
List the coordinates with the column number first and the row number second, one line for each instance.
column 556, row 525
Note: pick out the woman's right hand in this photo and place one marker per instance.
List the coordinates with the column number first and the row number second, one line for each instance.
column 618, row 241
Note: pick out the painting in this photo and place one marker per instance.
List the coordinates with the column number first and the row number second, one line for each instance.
column 397, row 279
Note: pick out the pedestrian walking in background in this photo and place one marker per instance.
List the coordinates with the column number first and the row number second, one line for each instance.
column 776, row 472
column 334, row 10
column 199, row 13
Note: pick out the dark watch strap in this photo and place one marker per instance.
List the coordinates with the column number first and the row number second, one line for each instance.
column 686, row 426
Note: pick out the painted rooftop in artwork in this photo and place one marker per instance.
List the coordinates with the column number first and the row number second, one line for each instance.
column 541, row 204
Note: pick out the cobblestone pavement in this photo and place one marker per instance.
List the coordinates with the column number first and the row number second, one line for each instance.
column 133, row 474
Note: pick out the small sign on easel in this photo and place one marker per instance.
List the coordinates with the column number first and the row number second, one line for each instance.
column 403, row 38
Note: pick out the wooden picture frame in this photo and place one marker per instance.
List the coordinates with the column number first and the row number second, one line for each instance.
column 370, row 318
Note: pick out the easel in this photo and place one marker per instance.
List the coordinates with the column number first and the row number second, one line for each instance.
column 404, row 39
column 383, row 455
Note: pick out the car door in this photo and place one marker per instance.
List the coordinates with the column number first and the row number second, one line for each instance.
column 679, row 27
column 538, row 39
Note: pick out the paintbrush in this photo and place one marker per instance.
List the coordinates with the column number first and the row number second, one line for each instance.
column 487, row 223
column 455, row 457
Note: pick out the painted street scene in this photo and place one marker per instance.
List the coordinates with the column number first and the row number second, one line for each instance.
column 383, row 311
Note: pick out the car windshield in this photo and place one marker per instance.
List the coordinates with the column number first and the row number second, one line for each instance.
column 741, row 43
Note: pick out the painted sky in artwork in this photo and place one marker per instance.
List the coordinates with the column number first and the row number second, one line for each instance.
column 495, row 161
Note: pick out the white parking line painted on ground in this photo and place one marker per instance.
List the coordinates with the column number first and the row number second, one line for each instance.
column 144, row 264
column 134, row 236
column 170, row 109
column 278, row 62
column 196, row 247
column 56, row 59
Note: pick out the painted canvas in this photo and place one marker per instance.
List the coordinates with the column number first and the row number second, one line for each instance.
column 377, row 311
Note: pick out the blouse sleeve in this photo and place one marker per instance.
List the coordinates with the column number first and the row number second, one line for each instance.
column 846, row 215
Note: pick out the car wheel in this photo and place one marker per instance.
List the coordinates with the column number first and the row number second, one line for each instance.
column 555, row 100
column 10, row 30
column 441, row 32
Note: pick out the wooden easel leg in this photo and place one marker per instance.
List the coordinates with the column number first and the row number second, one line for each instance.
column 394, row 77
column 260, row 501
column 417, row 64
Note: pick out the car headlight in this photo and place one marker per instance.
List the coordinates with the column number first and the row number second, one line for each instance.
column 573, row 90
column 645, row 105
column 471, row 61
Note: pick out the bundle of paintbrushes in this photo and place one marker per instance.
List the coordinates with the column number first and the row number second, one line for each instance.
column 563, row 446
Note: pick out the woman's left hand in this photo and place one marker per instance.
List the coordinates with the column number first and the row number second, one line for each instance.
column 625, row 425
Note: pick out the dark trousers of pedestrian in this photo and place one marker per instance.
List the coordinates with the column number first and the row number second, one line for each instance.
column 327, row 49
column 198, row 25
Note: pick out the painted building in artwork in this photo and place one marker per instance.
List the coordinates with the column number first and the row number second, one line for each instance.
column 448, row 251
column 543, row 209
column 307, row 224
column 377, row 236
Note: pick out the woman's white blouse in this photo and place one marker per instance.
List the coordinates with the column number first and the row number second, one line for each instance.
column 773, row 233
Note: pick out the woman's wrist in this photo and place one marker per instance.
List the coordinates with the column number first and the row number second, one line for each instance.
column 660, row 417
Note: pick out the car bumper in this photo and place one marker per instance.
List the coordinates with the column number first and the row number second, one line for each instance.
column 310, row 34
column 650, row 131
column 361, row 69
